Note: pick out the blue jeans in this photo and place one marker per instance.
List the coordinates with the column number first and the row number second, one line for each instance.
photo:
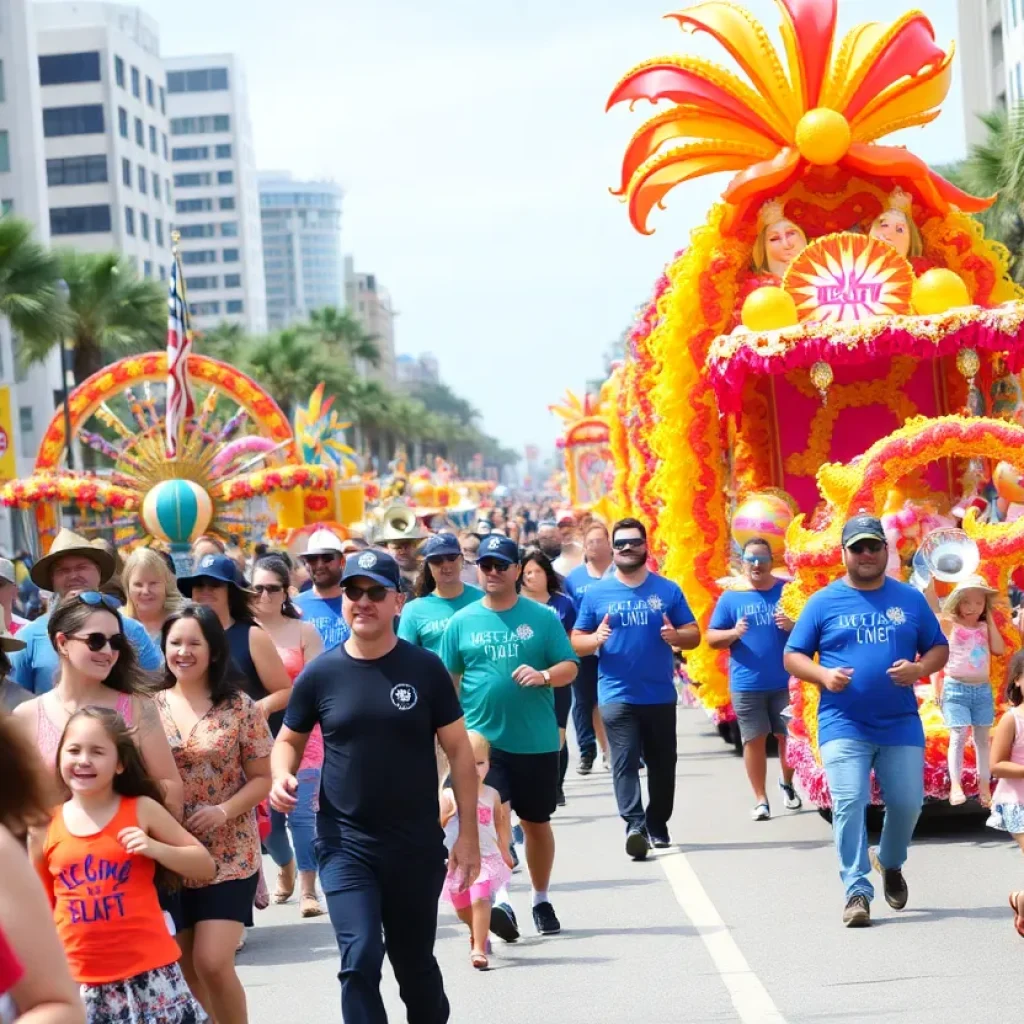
column 301, row 821
column 900, row 773
column 584, row 700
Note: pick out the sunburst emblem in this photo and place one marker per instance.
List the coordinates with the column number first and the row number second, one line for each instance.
column 847, row 277
column 524, row 632
column 897, row 616
column 655, row 603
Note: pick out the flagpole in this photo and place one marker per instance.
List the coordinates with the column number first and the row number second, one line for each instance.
column 180, row 402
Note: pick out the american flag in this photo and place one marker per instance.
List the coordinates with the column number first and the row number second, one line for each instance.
column 180, row 403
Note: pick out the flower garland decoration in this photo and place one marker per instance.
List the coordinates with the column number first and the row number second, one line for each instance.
column 279, row 478
column 750, row 440
column 87, row 492
column 618, row 440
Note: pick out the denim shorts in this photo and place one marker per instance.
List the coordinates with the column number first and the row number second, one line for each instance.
column 966, row 704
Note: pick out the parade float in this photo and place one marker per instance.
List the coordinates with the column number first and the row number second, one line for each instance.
column 837, row 337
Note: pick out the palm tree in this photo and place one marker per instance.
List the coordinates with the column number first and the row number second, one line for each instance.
column 342, row 333
column 110, row 312
column 226, row 342
column 28, row 283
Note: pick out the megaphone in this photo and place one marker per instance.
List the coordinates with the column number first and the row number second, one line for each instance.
column 947, row 554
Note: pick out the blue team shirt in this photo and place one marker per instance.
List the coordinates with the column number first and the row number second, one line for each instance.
column 325, row 614
column 868, row 630
column 563, row 607
column 635, row 665
column 579, row 581
column 35, row 667
column 755, row 660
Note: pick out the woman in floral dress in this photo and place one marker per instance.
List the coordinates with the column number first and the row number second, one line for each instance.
column 221, row 744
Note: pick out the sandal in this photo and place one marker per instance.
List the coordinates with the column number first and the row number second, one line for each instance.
column 956, row 796
column 285, row 882
column 985, row 795
column 479, row 961
column 1018, row 918
column 309, row 905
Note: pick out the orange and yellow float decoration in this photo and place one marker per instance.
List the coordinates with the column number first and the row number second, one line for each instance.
column 831, row 331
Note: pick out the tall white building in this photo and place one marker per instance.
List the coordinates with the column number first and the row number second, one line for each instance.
column 23, row 193
column 217, row 203
column 301, row 246
column 370, row 302
column 105, row 132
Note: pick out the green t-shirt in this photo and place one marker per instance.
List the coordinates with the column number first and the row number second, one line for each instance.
column 485, row 647
column 423, row 620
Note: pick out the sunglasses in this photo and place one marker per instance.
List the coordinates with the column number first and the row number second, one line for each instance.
column 316, row 559
column 376, row 593
column 93, row 598
column 757, row 559
column 436, row 560
column 489, row 565
column 268, row 588
column 870, row 546
column 96, row 642
column 623, row 543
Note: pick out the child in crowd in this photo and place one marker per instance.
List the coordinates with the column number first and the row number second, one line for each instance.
column 101, row 858
column 1008, row 769
column 965, row 694
column 473, row 905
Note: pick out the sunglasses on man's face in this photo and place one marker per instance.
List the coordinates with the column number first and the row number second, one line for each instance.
column 355, row 593
column 93, row 598
column 871, row 547
column 757, row 559
column 317, row 559
column 624, row 543
column 490, row 565
column 436, row 560
column 268, row 588
column 96, row 642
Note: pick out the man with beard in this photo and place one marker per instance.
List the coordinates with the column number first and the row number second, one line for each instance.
column 324, row 561
column 632, row 620
column 506, row 653
column 875, row 638
column 403, row 545
column 750, row 626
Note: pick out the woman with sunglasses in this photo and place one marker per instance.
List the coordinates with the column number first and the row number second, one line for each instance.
column 98, row 668
column 298, row 643
column 440, row 593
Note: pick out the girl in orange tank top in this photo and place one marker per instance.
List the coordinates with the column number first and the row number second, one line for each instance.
column 100, row 859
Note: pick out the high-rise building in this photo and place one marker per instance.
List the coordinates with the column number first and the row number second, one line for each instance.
column 105, row 131
column 370, row 303
column 301, row 246
column 216, row 199
column 23, row 193
column 422, row 369
column 991, row 58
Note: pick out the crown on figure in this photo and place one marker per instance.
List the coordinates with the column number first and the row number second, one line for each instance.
column 900, row 201
column 771, row 213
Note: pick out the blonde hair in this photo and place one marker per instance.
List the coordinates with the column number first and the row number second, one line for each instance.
column 916, row 247
column 772, row 213
column 148, row 559
column 951, row 606
column 479, row 743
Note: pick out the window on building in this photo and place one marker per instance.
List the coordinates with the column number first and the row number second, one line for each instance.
column 163, row 136
column 126, row 172
column 152, row 139
column 198, row 80
column 26, row 428
column 122, row 122
column 119, row 71
column 76, row 170
column 163, row 272
column 6, row 206
column 144, row 225
column 193, row 205
column 3, row 85
column 136, row 87
column 224, row 151
column 205, row 308
column 167, row 189
column 142, row 180
column 79, row 220
column 235, row 306
column 199, row 256
column 156, row 185
column 225, row 177
column 163, row 100
column 201, row 284
column 230, row 256
column 158, row 232
column 190, row 153
column 140, row 132
column 197, row 230
column 65, row 68
column 200, row 125
column 229, row 229
column 147, row 268
column 5, row 152
column 150, row 95
column 227, row 202
column 129, row 220
column 84, row 120
column 194, row 180
column 232, row 280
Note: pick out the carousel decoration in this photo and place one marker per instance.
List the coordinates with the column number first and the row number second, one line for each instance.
column 838, row 333
column 589, row 463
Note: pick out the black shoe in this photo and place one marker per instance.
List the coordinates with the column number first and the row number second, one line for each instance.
column 515, row 857
column 503, row 922
column 637, row 845
column 544, row 919
column 857, row 913
column 659, row 840
column 561, row 797
column 585, row 765
column 895, row 885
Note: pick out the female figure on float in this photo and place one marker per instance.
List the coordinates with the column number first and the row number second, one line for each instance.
column 895, row 225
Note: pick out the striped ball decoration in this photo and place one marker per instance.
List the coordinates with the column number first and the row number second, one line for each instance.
column 177, row 511
column 765, row 516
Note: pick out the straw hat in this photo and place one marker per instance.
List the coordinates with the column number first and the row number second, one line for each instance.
column 974, row 582
column 70, row 543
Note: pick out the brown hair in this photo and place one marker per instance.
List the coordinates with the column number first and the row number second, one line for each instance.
column 24, row 796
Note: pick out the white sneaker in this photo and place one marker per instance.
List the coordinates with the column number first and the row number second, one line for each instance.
column 761, row 811
column 792, row 798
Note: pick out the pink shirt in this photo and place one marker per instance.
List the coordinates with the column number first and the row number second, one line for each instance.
column 968, row 653
column 294, row 659
column 1011, row 791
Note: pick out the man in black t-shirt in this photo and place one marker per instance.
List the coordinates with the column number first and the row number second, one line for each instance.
column 380, row 703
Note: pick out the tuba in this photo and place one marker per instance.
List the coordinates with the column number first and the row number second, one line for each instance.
column 947, row 554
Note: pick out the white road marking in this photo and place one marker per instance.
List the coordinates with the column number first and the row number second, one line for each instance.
column 751, row 999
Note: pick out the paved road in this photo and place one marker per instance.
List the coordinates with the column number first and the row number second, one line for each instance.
column 740, row 922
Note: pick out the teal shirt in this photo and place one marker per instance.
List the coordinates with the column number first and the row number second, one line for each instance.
column 485, row 647
column 423, row 619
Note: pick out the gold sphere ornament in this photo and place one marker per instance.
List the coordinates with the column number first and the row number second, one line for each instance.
column 938, row 290
column 822, row 377
column 823, row 136
column 769, row 309
column 968, row 363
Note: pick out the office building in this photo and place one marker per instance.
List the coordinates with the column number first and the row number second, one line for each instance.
column 301, row 223
column 22, row 193
column 991, row 58
column 412, row 370
column 370, row 303
column 105, row 131
column 216, row 200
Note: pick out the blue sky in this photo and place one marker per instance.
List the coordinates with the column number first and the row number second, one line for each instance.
column 472, row 142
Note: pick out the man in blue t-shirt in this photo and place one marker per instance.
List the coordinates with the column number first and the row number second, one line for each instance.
column 632, row 620
column 749, row 625
column 324, row 559
column 875, row 638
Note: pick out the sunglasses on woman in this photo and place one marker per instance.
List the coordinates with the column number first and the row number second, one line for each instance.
column 93, row 598
column 96, row 642
column 268, row 588
column 376, row 593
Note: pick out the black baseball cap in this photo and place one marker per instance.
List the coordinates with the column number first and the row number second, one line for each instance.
column 863, row 528
column 500, row 547
column 375, row 565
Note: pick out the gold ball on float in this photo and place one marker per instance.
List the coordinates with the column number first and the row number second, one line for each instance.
column 937, row 290
column 823, row 136
column 822, row 375
column 769, row 309
column 968, row 363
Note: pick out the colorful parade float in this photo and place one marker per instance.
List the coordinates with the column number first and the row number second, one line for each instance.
column 838, row 336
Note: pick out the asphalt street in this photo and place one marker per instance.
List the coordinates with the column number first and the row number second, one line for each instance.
column 739, row 922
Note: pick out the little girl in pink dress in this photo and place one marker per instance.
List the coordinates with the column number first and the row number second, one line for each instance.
column 473, row 905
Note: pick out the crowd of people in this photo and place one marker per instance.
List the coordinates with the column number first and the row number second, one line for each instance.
column 389, row 720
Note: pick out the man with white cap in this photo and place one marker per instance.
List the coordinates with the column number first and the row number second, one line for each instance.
column 324, row 559
column 72, row 566
column 8, row 592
